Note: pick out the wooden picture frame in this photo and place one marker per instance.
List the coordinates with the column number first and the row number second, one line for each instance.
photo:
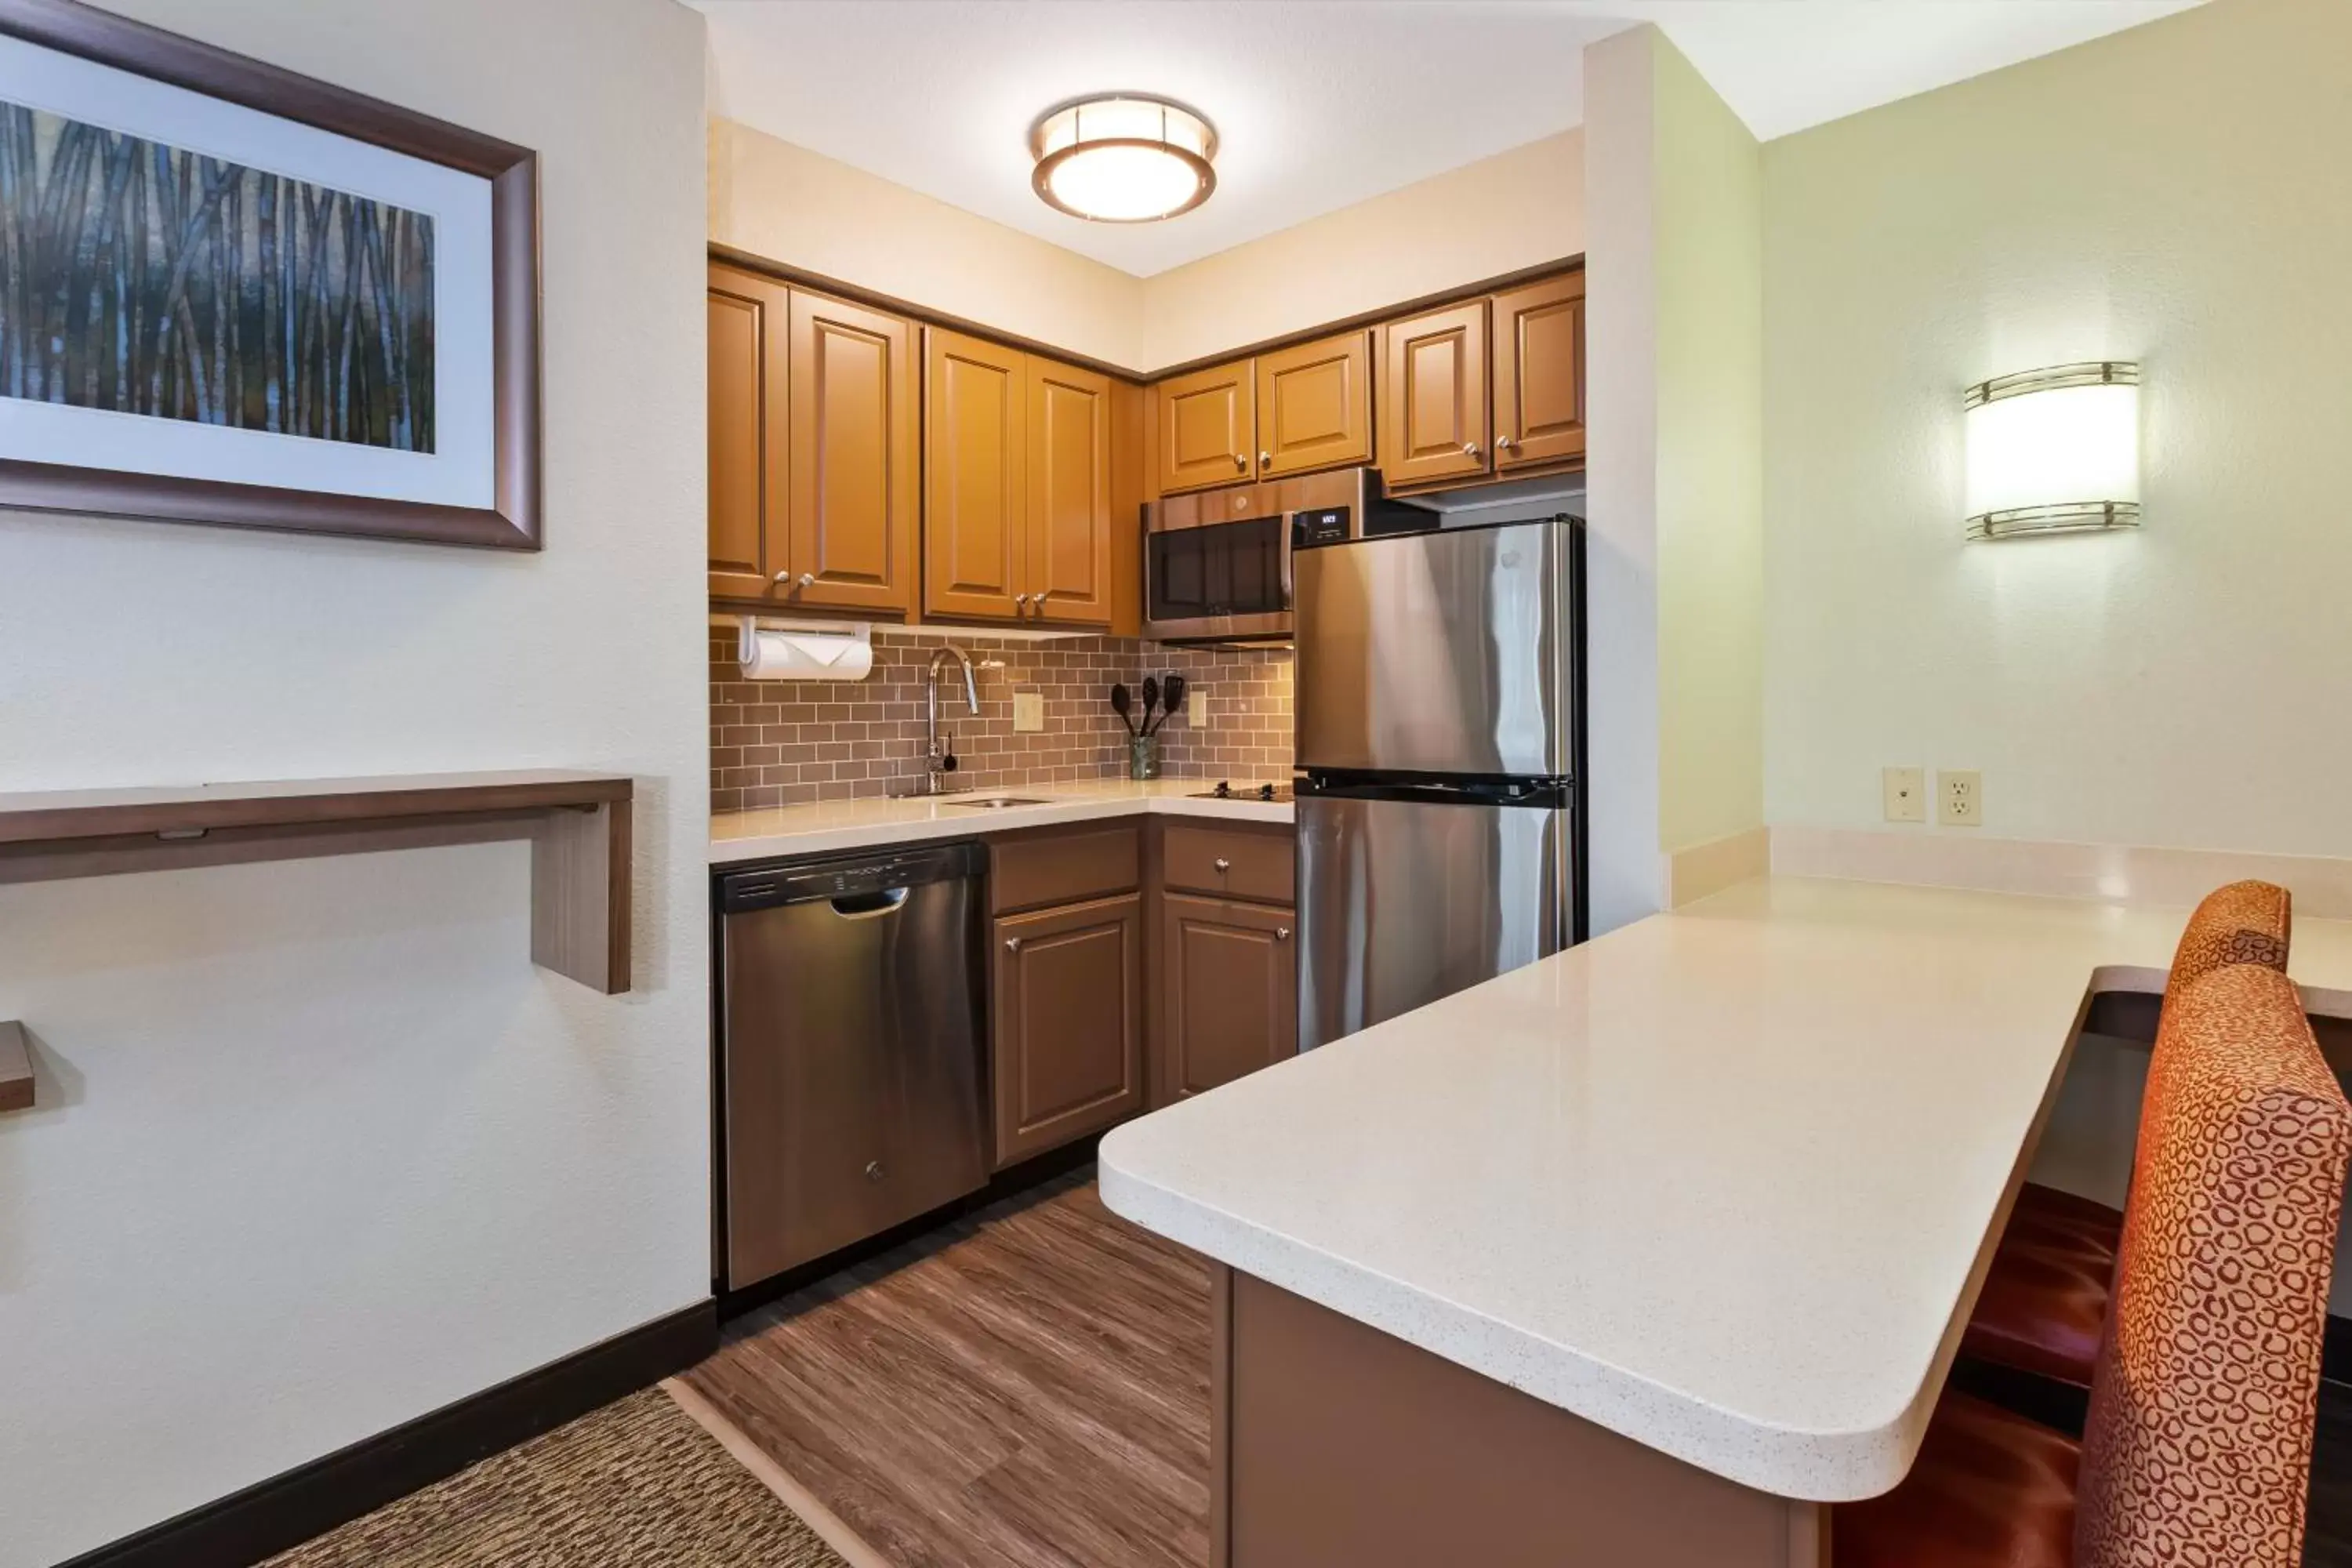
column 514, row 520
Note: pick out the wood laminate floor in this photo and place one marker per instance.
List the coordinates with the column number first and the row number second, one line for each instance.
column 1028, row 1388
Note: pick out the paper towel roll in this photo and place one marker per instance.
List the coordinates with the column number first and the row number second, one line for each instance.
column 807, row 656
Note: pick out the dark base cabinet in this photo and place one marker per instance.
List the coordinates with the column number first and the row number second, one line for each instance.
column 1133, row 965
column 1229, row 990
column 1069, row 1017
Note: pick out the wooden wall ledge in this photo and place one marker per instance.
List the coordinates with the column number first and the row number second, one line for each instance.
column 16, row 1069
column 578, row 824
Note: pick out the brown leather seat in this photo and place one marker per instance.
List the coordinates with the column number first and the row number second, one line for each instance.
column 2046, row 1296
column 2204, row 1396
column 1989, row 1488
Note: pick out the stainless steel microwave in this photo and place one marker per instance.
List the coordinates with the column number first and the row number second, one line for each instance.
column 1216, row 563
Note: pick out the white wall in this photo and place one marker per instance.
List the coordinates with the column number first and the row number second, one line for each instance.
column 1675, row 353
column 320, row 1150
column 2177, row 194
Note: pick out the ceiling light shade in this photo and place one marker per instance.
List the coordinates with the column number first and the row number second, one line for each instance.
column 2054, row 451
column 1123, row 158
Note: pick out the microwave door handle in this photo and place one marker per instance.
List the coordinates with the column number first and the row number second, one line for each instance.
column 1284, row 545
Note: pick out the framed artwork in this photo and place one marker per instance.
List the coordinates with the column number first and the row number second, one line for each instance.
column 233, row 295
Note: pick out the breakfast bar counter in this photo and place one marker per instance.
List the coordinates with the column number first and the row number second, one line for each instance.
column 1703, row 1205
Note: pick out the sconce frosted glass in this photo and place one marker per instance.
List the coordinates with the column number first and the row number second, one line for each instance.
column 2054, row 451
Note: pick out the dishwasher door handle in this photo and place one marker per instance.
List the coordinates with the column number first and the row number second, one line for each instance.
column 869, row 906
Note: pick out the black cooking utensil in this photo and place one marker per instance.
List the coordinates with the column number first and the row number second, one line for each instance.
column 1120, row 704
column 1150, row 700
column 1171, row 692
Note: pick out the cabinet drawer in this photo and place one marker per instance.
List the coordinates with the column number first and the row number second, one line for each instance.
column 1228, row 865
column 1063, row 867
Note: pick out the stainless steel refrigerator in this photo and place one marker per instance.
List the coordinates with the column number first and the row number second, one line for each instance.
column 1440, row 728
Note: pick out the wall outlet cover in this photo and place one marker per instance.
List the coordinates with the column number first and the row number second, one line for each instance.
column 1959, row 798
column 1028, row 711
column 1196, row 708
column 1905, row 794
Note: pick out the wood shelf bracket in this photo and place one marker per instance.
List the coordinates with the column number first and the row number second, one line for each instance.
column 578, row 825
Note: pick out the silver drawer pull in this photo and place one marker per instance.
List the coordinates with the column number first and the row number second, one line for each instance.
column 1012, row 944
column 1282, row 933
column 1223, row 864
column 872, row 1170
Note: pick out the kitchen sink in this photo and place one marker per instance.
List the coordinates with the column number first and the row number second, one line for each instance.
column 996, row 803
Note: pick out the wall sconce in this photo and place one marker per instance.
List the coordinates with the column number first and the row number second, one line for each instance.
column 2054, row 451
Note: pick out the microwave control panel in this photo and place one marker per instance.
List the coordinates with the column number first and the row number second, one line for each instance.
column 1323, row 525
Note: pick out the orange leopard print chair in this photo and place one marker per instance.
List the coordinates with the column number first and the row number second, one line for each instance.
column 2045, row 1298
column 2204, row 1394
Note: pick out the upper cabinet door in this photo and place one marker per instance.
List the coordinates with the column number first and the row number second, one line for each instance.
column 976, row 455
column 854, row 456
column 1315, row 406
column 751, row 433
column 1539, row 372
column 1432, row 396
column 1067, row 550
column 1208, row 427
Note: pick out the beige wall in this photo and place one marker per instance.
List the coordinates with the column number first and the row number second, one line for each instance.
column 317, row 1149
column 1674, row 589
column 2175, row 194
column 1517, row 209
column 791, row 205
column 1710, row 460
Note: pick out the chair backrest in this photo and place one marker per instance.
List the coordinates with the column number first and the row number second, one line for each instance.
column 2204, row 1400
column 2244, row 922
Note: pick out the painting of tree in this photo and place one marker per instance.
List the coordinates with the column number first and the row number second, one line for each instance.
column 146, row 279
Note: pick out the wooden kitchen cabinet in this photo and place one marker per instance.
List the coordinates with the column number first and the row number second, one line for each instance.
column 1228, row 984
column 1017, row 475
column 1068, row 1039
column 975, row 456
column 1538, row 368
column 812, row 448
column 1066, row 539
column 1208, row 426
column 749, row 326
column 1315, row 406
column 1433, row 396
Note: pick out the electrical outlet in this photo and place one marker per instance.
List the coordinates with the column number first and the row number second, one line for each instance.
column 1028, row 711
column 1959, row 798
column 1905, row 794
column 1196, row 708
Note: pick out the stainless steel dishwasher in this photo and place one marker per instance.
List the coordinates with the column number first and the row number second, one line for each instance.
column 849, row 1050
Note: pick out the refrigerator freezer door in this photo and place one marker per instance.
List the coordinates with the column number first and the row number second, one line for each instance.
column 1402, row 902
column 1444, row 653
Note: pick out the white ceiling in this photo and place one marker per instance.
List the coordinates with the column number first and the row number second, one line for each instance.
column 1317, row 104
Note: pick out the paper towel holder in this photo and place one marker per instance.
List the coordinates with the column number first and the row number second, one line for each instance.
column 749, row 627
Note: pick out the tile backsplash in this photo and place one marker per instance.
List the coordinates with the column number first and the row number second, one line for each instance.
column 781, row 743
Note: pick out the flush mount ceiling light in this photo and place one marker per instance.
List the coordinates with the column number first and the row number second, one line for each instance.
column 2054, row 451
column 1123, row 158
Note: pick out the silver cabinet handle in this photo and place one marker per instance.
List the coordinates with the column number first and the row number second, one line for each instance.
column 805, row 580
column 1038, row 604
column 1469, row 448
column 1223, row 864
column 1241, row 459
column 1502, row 443
column 1266, row 459
column 1020, row 602
column 1282, row 933
column 785, row 577
column 1012, row 944
column 872, row 1170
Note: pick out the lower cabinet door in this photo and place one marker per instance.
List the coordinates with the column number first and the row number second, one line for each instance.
column 1229, row 984
column 1069, row 1014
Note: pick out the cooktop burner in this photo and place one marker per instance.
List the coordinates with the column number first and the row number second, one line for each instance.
column 1225, row 790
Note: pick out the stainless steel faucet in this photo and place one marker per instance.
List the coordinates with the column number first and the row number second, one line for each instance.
column 941, row 753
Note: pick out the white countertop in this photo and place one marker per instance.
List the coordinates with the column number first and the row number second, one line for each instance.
column 862, row 823
column 1719, row 1181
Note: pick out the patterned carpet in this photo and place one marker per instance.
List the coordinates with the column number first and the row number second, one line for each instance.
column 634, row 1485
